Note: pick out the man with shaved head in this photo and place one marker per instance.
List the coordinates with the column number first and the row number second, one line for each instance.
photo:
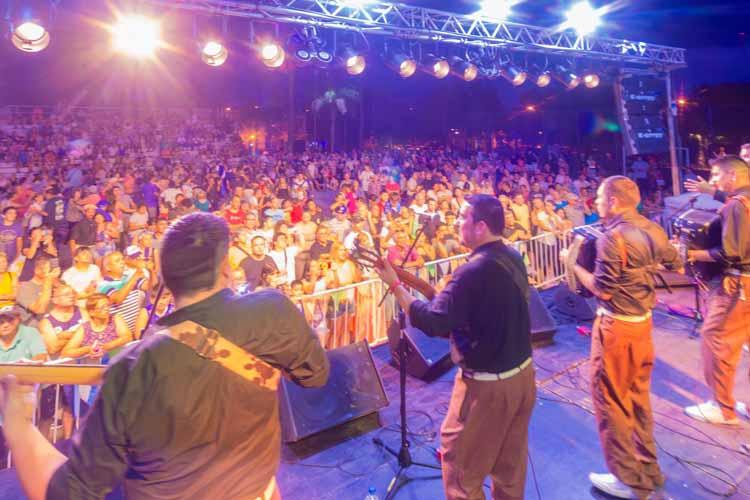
column 628, row 255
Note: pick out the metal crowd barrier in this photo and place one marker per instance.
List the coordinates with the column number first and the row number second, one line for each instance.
column 351, row 313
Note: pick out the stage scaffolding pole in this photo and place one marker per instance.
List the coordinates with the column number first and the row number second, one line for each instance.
column 676, row 177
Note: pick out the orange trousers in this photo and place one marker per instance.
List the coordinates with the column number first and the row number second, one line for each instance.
column 725, row 329
column 622, row 359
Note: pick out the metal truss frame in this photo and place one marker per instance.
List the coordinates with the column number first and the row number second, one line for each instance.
column 429, row 25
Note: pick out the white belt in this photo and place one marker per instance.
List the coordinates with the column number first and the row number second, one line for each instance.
column 622, row 317
column 489, row 376
column 735, row 272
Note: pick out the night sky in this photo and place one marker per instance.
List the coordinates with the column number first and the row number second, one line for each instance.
column 76, row 68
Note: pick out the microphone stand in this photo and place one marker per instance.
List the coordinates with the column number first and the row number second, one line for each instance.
column 696, row 282
column 403, row 454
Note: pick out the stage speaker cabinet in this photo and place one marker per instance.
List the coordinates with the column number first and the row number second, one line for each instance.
column 354, row 389
column 426, row 356
column 543, row 326
column 573, row 304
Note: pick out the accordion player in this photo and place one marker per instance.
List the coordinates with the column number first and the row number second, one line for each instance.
column 582, row 251
column 698, row 230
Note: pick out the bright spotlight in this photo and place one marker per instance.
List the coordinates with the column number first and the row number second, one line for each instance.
column 354, row 63
column 567, row 78
column 514, row 75
column 405, row 65
column 583, row 18
column 214, row 53
column 498, row 10
column 543, row 79
column 591, row 80
column 465, row 70
column 272, row 55
column 439, row 67
column 136, row 36
column 30, row 37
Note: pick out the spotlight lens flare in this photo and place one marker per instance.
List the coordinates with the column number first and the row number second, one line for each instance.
column 212, row 49
column 583, row 18
column 543, row 80
column 498, row 10
column 30, row 32
column 270, row 51
column 136, row 36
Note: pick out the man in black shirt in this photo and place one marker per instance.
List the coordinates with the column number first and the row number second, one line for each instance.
column 167, row 421
column 485, row 311
column 258, row 266
column 83, row 233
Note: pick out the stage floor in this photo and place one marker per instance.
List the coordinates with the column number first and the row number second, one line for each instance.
column 564, row 445
column 342, row 463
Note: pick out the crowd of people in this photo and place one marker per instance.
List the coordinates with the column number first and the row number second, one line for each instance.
column 88, row 198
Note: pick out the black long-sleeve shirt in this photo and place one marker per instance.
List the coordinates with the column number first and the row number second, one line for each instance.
column 630, row 288
column 174, row 425
column 734, row 251
column 483, row 310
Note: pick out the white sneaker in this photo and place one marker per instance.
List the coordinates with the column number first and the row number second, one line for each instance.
column 610, row 485
column 741, row 409
column 711, row 413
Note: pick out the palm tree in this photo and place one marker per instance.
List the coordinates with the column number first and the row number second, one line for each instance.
column 335, row 100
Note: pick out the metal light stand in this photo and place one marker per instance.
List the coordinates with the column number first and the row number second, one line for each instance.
column 403, row 455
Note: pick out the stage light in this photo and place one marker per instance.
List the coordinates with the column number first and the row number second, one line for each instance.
column 438, row 66
column 514, row 75
column 354, row 63
column 543, row 79
column 307, row 47
column 136, row 36
column 498, row 10
column 530, row 108
column 682, row 102
column 583, row 18
column 591, row 80
column 30, row 36
column 567, row 78
column 405, row 65
column 272, row 55
column 465, row 70
column 214, row 53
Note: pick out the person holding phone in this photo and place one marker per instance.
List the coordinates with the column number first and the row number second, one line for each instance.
column 38, row 242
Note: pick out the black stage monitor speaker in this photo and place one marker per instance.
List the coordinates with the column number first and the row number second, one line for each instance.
column 543, row 327
column 573, row 304
column 425, row 356
column 354, row 389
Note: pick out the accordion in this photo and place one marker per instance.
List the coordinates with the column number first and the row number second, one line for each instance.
column 698, row 230
column 582, row 251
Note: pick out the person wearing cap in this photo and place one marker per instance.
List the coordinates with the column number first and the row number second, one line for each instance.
column 339, row 224
column 17, row 341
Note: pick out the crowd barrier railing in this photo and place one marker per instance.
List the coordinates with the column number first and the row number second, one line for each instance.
column 352, row 313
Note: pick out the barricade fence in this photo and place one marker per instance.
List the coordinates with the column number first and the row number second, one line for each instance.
column 353, row 313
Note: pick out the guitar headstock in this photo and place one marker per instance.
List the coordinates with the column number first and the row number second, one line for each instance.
column 364, row 257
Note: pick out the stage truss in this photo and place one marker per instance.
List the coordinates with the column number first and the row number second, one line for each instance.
column 429, row 25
